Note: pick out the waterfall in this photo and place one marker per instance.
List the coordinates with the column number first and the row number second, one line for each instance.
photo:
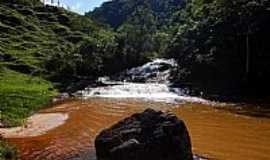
column 148, row 82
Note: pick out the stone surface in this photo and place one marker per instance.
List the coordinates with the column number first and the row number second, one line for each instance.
column 151, row 135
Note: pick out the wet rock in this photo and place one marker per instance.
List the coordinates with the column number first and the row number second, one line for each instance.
column 151, row 135
column 157, row 70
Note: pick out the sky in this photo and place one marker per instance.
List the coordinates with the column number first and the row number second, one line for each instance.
column 80, row 6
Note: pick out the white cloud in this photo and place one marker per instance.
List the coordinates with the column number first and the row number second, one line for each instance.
column 49, row 2
column 76, row 7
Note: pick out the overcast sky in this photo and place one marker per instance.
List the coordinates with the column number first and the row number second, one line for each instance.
column 81, row 6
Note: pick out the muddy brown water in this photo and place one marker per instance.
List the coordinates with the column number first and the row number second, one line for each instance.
column 215, row 133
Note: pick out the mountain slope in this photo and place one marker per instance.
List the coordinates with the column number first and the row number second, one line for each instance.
column 143, row 26
column 117, row 12
column 41, row 49
column 32, row 33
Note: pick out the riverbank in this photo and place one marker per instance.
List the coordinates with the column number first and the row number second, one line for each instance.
column 7, row 151
column 36, row 125
column 21, row 95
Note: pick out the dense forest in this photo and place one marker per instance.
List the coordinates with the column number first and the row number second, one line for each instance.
column 143, row 27
column 221, row 46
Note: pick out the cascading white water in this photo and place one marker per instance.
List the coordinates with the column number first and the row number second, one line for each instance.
column 154, row 84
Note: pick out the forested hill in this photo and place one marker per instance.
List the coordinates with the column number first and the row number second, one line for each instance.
column 223, row 45
column 144, row 27
column 219, row 44
column 46, row 48
column 117, row 12
column 38, row 39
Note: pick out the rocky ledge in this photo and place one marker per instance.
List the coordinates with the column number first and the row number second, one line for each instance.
column 151, row 135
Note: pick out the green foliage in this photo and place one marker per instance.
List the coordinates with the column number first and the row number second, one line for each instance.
column 48, row 41
column 142, row 26
column 25, row 2
column 40, row 42
column 43, row 42
column 136, row 39
column 117, row 12
column 213, row 38
column 7, row 152
column 20, row 95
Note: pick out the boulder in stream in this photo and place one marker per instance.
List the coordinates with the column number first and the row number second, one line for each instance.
column 151, row 135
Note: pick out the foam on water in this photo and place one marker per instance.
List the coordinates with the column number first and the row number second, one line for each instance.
column 156, row 86
column 146, row 91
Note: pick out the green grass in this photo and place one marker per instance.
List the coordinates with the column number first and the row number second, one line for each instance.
column 21, row 95
column 7, row 152
column 29, row 41
column 30, row 35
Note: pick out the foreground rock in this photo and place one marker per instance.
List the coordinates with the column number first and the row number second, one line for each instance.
column 150, row 135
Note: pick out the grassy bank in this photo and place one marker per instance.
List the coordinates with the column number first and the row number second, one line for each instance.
column 21, row 95
column 32, row 34
column 7, row 152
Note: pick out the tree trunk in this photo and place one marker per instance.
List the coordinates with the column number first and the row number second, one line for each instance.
column 248, row 55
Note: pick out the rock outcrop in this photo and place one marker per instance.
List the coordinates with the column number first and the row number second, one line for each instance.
column 151, row 135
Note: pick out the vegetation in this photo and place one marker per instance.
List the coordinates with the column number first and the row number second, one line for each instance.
column 117, row 12
column 220, row 45
column 223, row 45
column 20, row 95
column 7, row 152
column 142, row 26
column 44, row 49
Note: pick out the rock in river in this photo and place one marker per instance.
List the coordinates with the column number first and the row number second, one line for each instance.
column 151, row 135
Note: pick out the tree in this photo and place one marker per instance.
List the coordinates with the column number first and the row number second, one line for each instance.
column 218, row 40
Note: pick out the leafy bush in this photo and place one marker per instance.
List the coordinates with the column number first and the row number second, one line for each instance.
column 7, row 152
column 214, row 39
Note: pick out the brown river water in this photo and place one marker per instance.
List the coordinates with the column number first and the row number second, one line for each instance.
column 216, row 133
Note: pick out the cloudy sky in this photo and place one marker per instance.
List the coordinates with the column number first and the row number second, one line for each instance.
column 80, row 6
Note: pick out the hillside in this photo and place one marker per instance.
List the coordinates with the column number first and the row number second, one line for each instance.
column 40, row 52
column 31, row 34
column 143, row 26
column 117, row 12
column 221, row 46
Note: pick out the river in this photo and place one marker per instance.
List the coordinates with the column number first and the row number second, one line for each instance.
column 216, row 133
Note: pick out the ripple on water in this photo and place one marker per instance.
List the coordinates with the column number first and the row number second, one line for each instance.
column 215, row 133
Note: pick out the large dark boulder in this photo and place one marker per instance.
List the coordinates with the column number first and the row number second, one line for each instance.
column 151, row 135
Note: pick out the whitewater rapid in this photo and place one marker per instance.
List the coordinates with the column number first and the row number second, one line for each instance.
column 155, row 85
